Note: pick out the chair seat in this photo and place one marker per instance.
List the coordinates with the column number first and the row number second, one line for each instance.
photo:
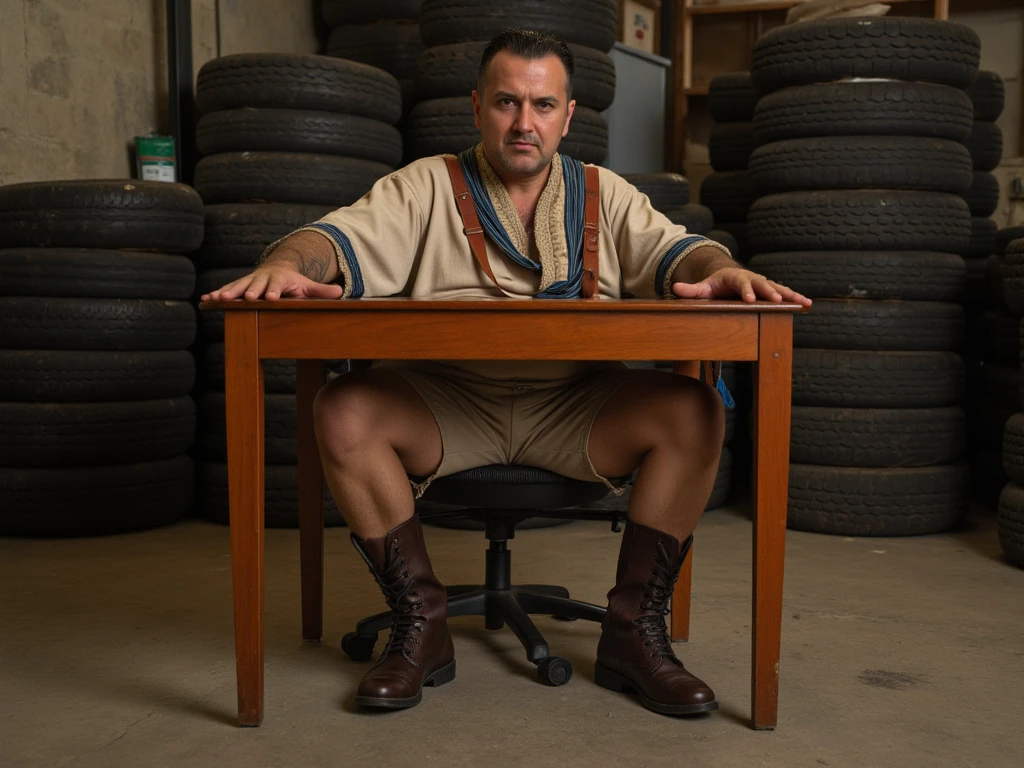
column 512, row 486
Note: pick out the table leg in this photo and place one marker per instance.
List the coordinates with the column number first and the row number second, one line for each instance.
column 243, row 387
column 310, row 377
column 681, row 596
column 772, row 392
column 681, row 601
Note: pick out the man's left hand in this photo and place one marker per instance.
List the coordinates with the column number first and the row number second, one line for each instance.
column 731, row 282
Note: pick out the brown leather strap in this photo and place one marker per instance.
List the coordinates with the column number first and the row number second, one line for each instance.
column 591, row 232
column 470, row 221
column 712, row 372
column 475, row 233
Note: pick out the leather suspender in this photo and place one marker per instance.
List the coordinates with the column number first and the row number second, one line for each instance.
column 475, row 233
column 470, row 221
column 591, row 232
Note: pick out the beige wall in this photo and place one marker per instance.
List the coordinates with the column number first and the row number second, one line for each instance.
column 79, row 79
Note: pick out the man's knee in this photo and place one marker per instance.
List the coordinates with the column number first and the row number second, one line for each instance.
column 693, row 416
column 367, row 410
column 344, row 412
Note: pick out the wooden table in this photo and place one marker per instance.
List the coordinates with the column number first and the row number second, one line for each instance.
column 314, row 330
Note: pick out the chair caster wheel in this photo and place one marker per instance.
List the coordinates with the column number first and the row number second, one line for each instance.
column 554, row 671
column 358, row 647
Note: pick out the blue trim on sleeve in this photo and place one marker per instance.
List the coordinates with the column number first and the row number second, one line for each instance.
column 670, row 255
column 345, row 245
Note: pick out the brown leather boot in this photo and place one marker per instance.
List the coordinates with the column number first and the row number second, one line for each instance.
column 419, row 651
column 635, row 651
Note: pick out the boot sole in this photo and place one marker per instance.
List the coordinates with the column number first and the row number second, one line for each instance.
column 439, row 677
column 613, row 681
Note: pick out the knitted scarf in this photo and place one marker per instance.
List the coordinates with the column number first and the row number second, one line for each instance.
column 574, row 178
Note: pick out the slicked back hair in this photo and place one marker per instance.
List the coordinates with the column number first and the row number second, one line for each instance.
column 529, row 45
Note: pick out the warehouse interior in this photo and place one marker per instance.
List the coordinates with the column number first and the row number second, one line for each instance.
column 870, row 156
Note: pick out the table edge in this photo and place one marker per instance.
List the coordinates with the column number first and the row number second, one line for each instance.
column 505, row 305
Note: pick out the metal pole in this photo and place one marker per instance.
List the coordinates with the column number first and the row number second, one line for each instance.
column 179, row 72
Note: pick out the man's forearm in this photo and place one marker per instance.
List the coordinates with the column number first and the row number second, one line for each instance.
column 309, row 253
column 700, row 264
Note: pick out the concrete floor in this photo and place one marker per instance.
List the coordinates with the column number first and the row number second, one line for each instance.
column 118, row 652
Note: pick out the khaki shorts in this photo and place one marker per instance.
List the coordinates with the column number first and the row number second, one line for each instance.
column 530, row 414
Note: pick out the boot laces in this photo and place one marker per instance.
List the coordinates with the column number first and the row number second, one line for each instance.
column 397, row 587
column 652, row 625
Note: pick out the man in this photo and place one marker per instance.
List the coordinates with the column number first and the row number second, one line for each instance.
column 591, row 421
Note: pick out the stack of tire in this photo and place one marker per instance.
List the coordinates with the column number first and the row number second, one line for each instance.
column 669, row 193
column 992, row 348
column 729, row 192
column 993, row 357
column 1010, row 514
column 860, row 128
column 456, row 32
column 988, row 98
column 985, row 143
column 95, row 325
column 384, row 34
column 286, row 139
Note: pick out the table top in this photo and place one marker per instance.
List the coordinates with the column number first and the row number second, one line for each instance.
column 504, row 304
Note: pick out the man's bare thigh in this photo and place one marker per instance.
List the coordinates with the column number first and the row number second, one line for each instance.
column 638, row 414
column 399, row 415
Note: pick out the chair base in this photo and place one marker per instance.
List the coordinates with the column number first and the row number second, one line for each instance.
column 505, row 607
column 501, row 604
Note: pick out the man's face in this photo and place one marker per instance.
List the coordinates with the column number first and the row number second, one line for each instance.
column 523, row 112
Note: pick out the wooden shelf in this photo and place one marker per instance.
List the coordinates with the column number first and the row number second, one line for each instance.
column 697, row 90
column 782, row 5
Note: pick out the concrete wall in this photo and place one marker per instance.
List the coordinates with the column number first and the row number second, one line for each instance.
column 79, row 79
column 252, row 26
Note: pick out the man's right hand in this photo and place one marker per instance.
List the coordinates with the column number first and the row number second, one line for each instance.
column 275, row 281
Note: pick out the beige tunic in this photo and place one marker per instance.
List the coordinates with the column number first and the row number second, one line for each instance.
column 405, row 238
